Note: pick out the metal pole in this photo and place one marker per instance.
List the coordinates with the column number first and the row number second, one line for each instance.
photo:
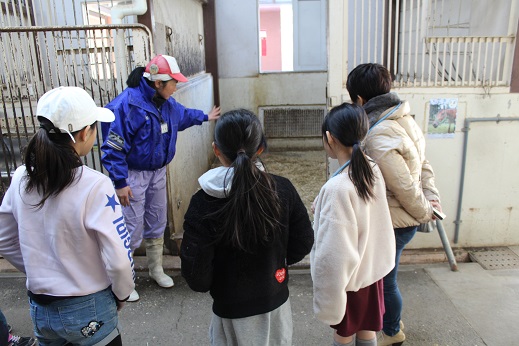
column 463, row 163
column 446, row 246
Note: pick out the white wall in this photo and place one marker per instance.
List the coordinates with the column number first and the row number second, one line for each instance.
column 185, row 20
column 237, row 38
column 490, row 207
column 489, row 211
column 241, row 84
column 194, row 153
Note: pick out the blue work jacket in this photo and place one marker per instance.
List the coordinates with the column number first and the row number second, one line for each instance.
column 138, row 138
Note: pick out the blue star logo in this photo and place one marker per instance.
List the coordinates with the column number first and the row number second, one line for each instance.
column 111, row 202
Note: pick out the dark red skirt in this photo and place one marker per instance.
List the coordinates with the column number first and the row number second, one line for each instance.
column 364, row 310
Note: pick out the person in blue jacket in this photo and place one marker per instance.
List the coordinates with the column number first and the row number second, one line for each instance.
column 137, row 147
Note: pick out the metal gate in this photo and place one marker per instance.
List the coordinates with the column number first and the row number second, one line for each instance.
column 34, row 60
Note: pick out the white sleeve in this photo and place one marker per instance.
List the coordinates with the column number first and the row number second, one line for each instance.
column 9, row 239
column 106, row 220
column 335, row 255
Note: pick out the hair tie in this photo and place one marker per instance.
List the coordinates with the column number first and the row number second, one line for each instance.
column 241, row 151
column 49, row 127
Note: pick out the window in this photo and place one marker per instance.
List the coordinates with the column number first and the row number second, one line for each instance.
column 292, row 35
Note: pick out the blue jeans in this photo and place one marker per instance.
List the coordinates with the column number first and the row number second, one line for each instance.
column 392, row 296
column 85, row 320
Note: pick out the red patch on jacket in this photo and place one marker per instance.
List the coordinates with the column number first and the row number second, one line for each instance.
column 280, row 275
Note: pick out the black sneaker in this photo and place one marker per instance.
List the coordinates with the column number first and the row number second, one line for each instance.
column 21, row 341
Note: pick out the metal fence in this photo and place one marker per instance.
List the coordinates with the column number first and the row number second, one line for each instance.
column 431, row 43
column 36, row 59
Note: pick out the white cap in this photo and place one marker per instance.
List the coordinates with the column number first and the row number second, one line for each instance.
column 70, row 109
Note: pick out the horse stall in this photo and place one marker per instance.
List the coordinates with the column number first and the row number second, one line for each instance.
column 295, row 148
column 306, row 169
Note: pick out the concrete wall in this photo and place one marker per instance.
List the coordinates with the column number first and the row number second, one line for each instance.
column 178, row 31
column 490, row 208
column 241, row 84
column 489, row 213
column 194, row 153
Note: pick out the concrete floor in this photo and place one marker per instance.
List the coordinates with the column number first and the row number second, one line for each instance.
column 472, row 306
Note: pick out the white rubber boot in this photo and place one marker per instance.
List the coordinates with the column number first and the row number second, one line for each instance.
column 154, row 248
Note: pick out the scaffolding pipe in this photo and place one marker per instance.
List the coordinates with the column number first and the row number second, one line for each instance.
column 466, row 129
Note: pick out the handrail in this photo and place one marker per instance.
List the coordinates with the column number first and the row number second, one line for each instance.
column 466, row 129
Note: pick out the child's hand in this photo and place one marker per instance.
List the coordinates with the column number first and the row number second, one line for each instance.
column 312, row 208
column 436, row 204
column 214, row 114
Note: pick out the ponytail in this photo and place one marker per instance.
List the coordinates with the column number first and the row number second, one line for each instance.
column 134, row 79
column 361, row 173
column 349, row 124
column 50, row 160
column 251, row 214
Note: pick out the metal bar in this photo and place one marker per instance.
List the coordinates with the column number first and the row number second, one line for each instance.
column 491, row 69
column 458, row 53
column 451, row 53
column 376, row 33
column 478, row 64
column 466, row 130
column 444, row 61
column 383, row 36
column 53, row 28
column 402, row 49
column 471, row 69
column 465, row 53
column 429, row 77
column 499, row 79
column 437, row 63
column 355, row 20
column 368, row 31
column 417, row 45
column 446, row 246
column 485, row 64
column 389, row 34
column 397, row 38
column 410, row 46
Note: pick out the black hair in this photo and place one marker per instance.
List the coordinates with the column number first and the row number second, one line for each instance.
column 251, row 214
column 349, row 124
column 50, row 160
column 134, row 79
column 368, row 81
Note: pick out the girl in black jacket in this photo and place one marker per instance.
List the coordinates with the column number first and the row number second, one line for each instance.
column 241, row 231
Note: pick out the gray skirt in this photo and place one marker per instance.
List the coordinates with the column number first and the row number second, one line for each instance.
column 271, row 328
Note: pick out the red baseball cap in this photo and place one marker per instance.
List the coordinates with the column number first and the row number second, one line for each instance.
column 164, row 68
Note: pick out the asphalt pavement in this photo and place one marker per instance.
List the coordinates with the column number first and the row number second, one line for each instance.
column 469, row 307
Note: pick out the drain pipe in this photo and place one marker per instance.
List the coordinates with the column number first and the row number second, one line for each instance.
column 466, row 129
column 118, row 12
